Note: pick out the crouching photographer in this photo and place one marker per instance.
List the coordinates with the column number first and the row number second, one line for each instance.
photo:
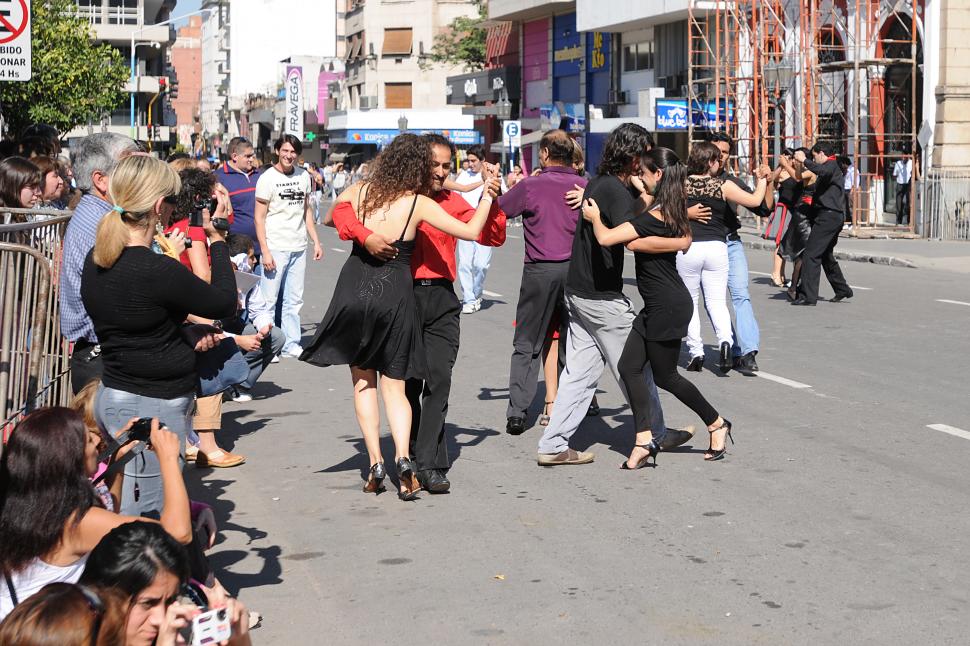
column 165, row 606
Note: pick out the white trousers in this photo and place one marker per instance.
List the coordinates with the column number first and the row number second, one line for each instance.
column 705, row 265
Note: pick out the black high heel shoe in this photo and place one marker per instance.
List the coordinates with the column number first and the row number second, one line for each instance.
column 652, row 449
column 408, row 479
column 725, row 358
column 719, row 455
column 375, row 484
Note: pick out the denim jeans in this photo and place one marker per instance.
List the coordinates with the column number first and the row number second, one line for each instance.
column 473, row 262
column 288, row 278
column 747, row 337
column 259, row 359
column 141, row 492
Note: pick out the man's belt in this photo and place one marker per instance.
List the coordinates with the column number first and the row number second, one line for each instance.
column 427, row 282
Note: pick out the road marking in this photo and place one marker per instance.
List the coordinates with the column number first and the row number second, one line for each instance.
column 952, row 430
column 491, row 294
column 865, row 289
column 341, row 250
column 509, row 235
column 943, row 300
column 781, row 380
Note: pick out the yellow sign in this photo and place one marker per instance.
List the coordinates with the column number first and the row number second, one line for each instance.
column 568, row 54
column 597, row 57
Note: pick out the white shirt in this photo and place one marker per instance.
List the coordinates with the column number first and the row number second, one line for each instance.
column 285, row 196
column 851, row 178
column 468, row 177
column 903, row 171
column 35, row 576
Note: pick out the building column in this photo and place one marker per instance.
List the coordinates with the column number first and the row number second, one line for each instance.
column 951, row 145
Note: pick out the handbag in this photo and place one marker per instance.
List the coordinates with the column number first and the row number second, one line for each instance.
column 220, row 368
column 777, row 224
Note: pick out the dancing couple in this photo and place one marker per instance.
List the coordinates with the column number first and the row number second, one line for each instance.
column 393, row 317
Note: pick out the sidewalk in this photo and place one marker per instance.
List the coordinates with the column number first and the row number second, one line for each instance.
column 913, row 253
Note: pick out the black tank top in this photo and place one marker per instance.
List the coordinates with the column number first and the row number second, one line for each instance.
column 707, row 191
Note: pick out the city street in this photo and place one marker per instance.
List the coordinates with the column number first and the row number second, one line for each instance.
column 838, row 517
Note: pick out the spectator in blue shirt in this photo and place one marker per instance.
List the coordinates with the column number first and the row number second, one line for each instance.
column 239, row 175
column 94, row 158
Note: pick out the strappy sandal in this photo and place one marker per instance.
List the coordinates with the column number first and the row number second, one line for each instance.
column 545, row 417
column 652, row 449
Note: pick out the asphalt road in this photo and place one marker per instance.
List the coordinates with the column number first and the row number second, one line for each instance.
column 838, row 517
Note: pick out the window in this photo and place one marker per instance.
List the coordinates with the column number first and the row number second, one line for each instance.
column 397, row 42
column 397, row 95
column 638, row 57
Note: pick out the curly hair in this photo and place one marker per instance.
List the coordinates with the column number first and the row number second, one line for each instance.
column 403, row 167
column 623, row 148
column 196, row 185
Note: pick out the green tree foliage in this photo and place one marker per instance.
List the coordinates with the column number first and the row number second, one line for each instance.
column 74, row 79
column 463, row 43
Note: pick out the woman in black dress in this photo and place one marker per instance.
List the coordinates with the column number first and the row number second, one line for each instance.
column 789, row 195
column 793, row 244
column 655, row 237
column 372, row 323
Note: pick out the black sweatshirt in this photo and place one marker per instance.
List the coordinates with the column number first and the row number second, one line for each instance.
column 138, row 307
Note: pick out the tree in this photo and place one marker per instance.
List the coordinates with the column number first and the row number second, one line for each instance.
column 463, row 43
column 74, row 79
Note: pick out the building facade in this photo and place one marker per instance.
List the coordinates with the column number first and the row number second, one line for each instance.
column 186, row 55
column 119, row 23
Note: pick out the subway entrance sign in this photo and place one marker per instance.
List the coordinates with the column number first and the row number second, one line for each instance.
column 15, row 40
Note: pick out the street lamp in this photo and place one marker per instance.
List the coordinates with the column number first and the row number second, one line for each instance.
column 133, row 80
column 503, row 111
column 402, row 123
column 778, row 77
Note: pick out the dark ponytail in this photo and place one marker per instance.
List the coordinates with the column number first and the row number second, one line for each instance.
column 671, row 195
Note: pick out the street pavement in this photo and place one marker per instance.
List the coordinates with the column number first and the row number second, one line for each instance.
column 838, row 517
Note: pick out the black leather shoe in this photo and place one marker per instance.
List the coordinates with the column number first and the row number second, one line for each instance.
column 675, row 437
column 725, row 362
column 746, row 362
column 696, row 364
column 801, row 301
column 838, row 298
column 434, row 481
column 515, row 426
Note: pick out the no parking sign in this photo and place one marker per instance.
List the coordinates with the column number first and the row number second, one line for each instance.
column 14, row 40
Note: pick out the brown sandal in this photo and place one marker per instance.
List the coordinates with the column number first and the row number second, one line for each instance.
column 218, row 459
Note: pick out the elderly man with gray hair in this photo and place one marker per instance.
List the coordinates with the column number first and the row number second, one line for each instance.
column 94, row 158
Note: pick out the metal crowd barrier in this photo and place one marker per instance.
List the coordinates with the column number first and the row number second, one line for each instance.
column 34, row 358
column 945, row 213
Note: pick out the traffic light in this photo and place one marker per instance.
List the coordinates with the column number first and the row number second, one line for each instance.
column 173, row 89
column 162, row 81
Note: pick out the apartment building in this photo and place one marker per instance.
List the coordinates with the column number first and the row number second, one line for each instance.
column 186, row 56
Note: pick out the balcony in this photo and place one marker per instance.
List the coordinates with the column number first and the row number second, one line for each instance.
column 528, row 9
column 626, row 15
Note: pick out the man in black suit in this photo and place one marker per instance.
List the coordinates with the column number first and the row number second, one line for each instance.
column 827, row 204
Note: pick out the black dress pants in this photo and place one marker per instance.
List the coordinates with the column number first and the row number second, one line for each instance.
column 902, row 203
column 440, row 312
column 820, row 254
column 542, row 292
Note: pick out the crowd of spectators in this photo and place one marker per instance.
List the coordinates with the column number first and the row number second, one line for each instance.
column 167, row 301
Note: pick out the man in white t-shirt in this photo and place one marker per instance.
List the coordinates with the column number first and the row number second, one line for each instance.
column 902, row 173
column 473, row 259
column 284, row 219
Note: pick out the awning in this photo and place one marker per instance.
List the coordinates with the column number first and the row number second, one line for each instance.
column 397, row 42
column 527, row 140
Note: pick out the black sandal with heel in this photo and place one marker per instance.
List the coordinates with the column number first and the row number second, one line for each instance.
column 652, row 449
column 375, row 484
column 719, row 454
column 408, row 479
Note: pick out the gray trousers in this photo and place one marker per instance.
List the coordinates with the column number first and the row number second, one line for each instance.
column 541, row 292
column 141, row 490
column 598, row 330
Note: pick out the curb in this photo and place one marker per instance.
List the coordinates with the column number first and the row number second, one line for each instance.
column 891, row 261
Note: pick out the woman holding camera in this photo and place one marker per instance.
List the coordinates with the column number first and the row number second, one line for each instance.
column 49, row 520
column 138, row 301
column 151, row 569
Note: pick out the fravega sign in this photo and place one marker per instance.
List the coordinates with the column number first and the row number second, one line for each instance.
column 293, row 121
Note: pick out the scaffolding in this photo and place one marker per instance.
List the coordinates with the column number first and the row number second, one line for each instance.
column 778, row 74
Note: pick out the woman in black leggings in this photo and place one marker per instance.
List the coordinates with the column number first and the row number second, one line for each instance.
column 655, row 237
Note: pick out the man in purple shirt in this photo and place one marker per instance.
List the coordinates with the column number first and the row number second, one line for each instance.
column 239, row 176
column 549, row 224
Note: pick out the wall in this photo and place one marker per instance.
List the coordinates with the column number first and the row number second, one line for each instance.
column 187, row 61
column 536, row 87
column 567, row 51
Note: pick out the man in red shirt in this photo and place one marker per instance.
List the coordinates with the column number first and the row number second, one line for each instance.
column 433, row 267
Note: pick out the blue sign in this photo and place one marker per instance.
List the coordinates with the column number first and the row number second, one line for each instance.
column 570, row 116
column 672, row 114
column 381, row 138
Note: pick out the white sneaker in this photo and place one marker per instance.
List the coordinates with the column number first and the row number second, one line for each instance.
column 240, row 394
column 292, row 354
column 470, row 308
column 275, row 359
column 478, row 304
